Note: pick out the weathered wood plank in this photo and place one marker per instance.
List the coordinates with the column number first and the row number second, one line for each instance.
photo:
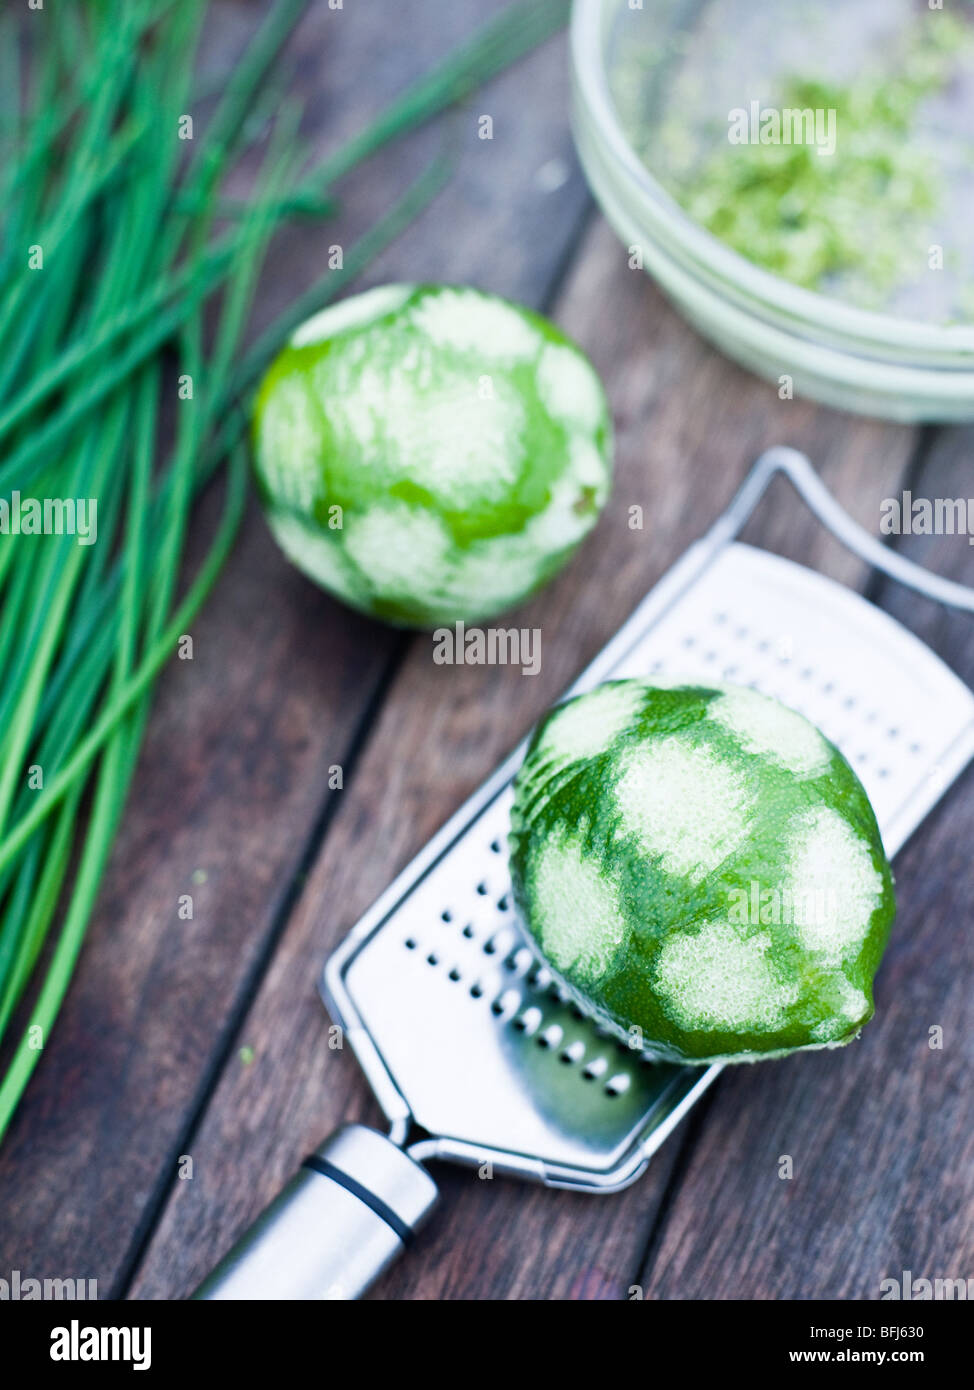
column 882, row 1133
column 234, row 777
column 689, row 425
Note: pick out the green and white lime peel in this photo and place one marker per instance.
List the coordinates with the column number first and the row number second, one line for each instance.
column 431, row 454
column 702, row 869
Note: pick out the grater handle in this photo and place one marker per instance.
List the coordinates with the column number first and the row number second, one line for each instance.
column 809, row 486
column 349, row 1211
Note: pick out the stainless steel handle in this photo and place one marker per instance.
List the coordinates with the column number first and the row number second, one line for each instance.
column 347, row 1213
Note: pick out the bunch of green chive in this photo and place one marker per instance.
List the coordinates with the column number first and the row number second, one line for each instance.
column 126, row 279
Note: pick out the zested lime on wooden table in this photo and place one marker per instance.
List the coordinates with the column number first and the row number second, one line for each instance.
column 431, row 454
column 702, row 869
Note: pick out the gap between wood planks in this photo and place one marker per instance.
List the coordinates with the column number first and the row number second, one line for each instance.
column 251, row 984
column 694, row 1127
column 314, row 845
column 312, row 849
column 880, row 1138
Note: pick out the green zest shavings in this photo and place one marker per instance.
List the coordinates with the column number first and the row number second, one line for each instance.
column 859, row 220
column 800, row 214
column 127, row 277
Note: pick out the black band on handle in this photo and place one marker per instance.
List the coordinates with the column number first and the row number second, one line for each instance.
column 321, row 1165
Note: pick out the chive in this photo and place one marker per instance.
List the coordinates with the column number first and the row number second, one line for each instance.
column 144, row 259
column 29, row 940
column 513, row 33
column 149, row 667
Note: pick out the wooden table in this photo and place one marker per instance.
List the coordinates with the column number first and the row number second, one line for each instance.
column 206, row 1038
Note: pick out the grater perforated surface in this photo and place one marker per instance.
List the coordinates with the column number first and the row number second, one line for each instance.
column 458, row 1025
column 869, row 685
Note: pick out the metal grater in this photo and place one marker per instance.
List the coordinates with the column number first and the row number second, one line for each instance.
column 472, row 1050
